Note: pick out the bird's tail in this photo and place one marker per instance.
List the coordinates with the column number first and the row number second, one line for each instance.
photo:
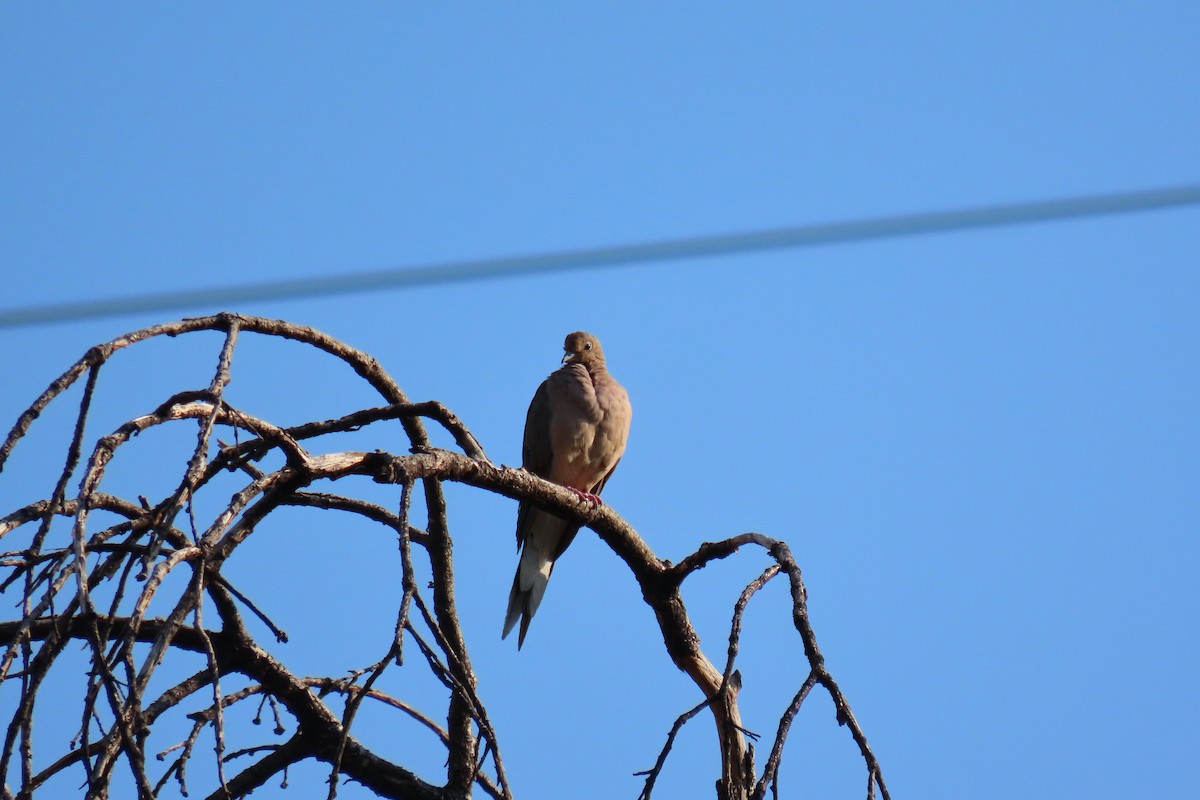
column 529, row 585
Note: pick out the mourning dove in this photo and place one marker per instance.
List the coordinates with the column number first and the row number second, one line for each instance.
column 575, row 434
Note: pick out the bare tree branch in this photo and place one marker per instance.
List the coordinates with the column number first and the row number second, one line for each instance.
column 125, row 567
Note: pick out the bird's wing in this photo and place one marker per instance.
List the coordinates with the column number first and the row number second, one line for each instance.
column 536, row 452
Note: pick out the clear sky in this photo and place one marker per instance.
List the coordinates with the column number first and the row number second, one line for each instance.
column 982, row 446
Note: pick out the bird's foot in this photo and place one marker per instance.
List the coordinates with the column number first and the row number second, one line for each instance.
column 594, row 499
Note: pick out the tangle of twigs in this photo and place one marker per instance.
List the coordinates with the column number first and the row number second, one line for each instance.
column 94, row 584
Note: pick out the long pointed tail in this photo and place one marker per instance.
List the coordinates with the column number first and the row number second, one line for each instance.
column 529, row 585
column 518, row 608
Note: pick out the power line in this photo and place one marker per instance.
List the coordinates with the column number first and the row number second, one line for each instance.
column 663, row 250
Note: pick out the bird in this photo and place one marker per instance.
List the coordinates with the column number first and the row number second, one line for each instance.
column 575, row 434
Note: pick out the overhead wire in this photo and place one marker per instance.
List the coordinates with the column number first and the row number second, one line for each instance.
column 790, row 237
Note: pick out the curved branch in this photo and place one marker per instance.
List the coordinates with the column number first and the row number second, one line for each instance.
column 154, row 540
column 321, row 730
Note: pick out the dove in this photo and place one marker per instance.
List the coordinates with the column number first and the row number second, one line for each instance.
column 575, row 433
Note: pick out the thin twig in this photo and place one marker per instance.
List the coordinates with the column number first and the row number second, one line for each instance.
column 116, row 715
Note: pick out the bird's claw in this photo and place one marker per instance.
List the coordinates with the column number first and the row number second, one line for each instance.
column 594, row 499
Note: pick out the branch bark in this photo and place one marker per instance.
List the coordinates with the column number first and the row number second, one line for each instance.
column 165, row 536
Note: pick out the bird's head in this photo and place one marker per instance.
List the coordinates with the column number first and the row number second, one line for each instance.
column 582, row 348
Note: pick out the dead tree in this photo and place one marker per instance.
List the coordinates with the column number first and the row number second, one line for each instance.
column 90, row 565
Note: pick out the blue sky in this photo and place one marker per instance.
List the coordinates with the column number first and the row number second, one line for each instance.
column 982, row 446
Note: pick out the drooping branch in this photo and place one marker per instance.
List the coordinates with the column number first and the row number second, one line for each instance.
column 136, row 557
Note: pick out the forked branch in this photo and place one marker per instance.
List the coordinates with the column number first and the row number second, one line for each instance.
column 95, row 583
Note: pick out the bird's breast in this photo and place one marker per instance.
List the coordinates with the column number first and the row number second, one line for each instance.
column 588, row 440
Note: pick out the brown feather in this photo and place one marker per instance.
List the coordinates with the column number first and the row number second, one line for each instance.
column 575, row 434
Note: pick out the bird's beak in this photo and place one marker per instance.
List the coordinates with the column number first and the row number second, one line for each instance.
column 567, row 356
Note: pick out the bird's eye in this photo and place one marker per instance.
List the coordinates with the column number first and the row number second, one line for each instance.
column 587, row 346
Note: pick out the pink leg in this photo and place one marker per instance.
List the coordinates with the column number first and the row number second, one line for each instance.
column 594, row 499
